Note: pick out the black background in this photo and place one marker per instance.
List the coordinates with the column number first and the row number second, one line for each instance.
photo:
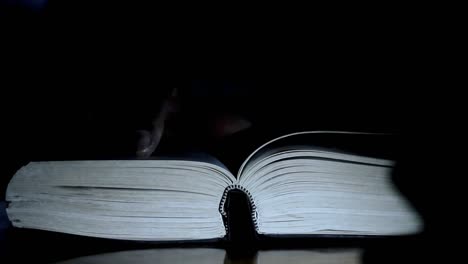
column 79, row 82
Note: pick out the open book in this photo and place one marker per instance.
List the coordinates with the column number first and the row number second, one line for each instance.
column 293, row 189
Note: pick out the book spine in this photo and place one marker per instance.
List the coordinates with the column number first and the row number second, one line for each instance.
column 251, row 201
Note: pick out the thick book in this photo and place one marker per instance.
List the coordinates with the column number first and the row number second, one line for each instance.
column 295, row 186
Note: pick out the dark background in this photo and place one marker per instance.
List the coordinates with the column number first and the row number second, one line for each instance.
column 78, row 83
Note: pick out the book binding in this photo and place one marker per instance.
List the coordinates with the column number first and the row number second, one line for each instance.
column 253, row 208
